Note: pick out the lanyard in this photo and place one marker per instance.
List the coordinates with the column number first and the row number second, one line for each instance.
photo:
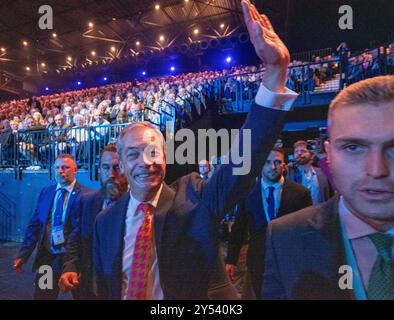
column 358, row 286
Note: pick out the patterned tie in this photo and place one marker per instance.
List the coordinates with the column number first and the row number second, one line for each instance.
column 271, row 203
column 381, row 282
column 138, row 282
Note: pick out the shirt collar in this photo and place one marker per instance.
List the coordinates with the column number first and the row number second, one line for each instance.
column 69, row 187
column 355, row 227
column 153, row 202
column 276, row 185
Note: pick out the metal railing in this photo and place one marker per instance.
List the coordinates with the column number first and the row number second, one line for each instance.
column 39, row 148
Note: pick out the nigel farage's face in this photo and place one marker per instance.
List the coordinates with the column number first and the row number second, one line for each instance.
column 143, row 161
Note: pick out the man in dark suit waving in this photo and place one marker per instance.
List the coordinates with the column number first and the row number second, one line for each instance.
column 51, row 224
column 273, row 196
column 160, row 242
column 343, row 248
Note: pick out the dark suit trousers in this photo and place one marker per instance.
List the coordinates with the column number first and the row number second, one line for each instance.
column 55, row 262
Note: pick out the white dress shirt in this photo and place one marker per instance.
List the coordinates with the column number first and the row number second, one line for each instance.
column 277, row 195
column 134, row 219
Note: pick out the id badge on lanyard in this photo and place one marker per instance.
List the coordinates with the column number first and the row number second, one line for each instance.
column 58, row 235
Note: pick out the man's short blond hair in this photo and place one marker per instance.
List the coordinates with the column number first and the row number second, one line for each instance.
column 371, row 91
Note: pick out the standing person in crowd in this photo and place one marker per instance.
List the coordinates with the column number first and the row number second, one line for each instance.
column 160, row 242
column 204, row 168
column 50, row 226
column 343, row 248
column 313, row 178
column 77, row 263
column 273, row 196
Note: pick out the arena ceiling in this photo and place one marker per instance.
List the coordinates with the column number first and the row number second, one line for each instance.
column 86, row 31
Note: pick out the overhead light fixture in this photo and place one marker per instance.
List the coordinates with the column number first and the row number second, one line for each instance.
column 93, row 53
column 90, row 24
column 43, row 64
column 2, row 49
column 161, row 38
column 27, row 68
column 25, row 43
column 54, row 35
column 113, row 49
column 222, row 26
column 138, row 43
column 157, row 6
column 186, row 1
column 69, row 58
column 196, row 31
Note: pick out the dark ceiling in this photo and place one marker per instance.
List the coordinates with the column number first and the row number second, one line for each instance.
column 116, row 23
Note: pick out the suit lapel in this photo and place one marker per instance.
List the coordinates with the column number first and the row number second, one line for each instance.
column 285, row 199
column 47, row 205
column 74, row 194
column 163, row 205
column 323, row 243
column 257, row 207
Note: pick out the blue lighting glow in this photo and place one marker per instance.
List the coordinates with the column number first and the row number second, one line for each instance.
column 228, row 59
column 79, row 83
column 144, row 73
column 172, row 68
column 46, row 89
column 105, row 79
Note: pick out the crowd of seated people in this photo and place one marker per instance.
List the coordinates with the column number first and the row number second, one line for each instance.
column 178, row 99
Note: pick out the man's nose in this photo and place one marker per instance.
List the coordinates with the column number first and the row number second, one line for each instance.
column 376, row 165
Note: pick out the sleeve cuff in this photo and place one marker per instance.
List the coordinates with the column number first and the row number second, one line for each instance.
column 269, row 99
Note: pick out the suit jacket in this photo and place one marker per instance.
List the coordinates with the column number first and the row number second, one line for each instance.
column 304, row 253
column 326, row 190
column 36, row 230
column 186, row 220
column 251, row 220
column 78, row 257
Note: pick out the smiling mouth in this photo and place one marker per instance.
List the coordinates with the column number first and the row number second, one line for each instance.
column 144, row 175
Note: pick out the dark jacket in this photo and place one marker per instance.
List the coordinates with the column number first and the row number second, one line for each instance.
column 251, row 221
column 186, row 220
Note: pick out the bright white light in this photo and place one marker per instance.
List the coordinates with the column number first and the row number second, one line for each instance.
column 138, row 43
column 43, row 64
column 161, row 38
column 27, row 68
column 222, row 26
column 196, row 31
column 2, row 49
column 172, row 68
column 93, row 53
column 228, row 59
column 25, row 43
column 157, row 7
column 113, row 49
column 91, row 25
column 69, row 58
column 54, row 35
column 143, row 73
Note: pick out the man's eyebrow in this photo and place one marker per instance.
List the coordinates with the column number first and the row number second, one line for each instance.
column 360, row 141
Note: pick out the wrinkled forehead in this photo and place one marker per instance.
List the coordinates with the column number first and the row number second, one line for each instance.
column 141, row 137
